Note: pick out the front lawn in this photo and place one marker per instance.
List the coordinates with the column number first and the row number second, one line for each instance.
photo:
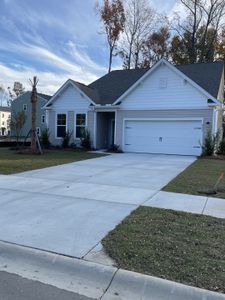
column 11, row 162
column 177, row 246
column 200, row 176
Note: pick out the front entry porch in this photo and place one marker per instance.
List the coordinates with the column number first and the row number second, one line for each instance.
column 105, row 129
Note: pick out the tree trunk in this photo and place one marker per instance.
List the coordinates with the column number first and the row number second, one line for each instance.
column 33, row 117
column 110, row 59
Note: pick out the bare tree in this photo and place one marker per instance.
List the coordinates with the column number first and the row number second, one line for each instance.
column 34, row 83
column 140, row 21
column 17, row 122
column 113, row 18
column 214, row 13
column 197, row 35
column 4, row 95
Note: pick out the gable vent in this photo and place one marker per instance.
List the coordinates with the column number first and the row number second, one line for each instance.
column 162, row 82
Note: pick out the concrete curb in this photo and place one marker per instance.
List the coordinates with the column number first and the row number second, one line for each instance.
column 71, row 274
column 133, row 286
column 93, row 280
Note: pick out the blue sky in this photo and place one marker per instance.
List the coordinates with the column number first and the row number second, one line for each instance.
column 54, row 40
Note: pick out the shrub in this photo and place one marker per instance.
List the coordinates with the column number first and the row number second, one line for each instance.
column 115, row 148
column 45, row 135
column 210, row 144
column 221, row 149
column 66, row 139
column 86, row 140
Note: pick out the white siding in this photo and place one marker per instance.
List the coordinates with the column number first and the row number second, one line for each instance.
column 176, row 93
column 71, row 99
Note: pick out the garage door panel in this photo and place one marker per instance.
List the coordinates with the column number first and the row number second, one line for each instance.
column 169, row 137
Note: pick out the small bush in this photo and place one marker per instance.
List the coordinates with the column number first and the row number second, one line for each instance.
column 86, row 140
column 210, row 144
column 221, row 149
column 115, row 148
column 66, row 139
column 45, row 135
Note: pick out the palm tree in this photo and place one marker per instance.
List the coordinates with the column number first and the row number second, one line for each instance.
column 34, row 83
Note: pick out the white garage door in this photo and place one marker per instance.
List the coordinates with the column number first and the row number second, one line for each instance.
column 168, row 137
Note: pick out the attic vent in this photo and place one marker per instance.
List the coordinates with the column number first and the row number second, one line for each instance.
column 163, row 82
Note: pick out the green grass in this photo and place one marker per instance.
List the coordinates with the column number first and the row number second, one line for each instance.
column 11, row 162
column 177, row 246
column 200, row 176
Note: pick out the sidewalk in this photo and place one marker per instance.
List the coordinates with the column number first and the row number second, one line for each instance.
column 93, row 280
column 209, row 206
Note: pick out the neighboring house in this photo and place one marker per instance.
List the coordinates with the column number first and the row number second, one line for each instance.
column 5, row 116
column 23, row 103
column 166, row 109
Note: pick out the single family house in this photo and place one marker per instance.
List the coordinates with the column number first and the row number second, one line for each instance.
column 23, row 103
column 5, row 117
column 165, row 109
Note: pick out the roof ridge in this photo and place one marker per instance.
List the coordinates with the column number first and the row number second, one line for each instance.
column 200, row 63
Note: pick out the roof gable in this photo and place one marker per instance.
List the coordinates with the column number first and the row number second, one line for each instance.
column 78, row 86
column 179, row 72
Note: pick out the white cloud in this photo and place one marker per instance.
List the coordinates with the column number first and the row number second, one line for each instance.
column 49, row 82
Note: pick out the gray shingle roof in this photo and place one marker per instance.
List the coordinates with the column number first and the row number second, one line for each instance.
column 107, row 89
column 206, row 75
column 90, row 92
column 46, row 97
column 111, row 86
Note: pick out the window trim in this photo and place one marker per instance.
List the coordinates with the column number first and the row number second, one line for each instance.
column 42, row 119
column 38, row 129
column 24, row 105
column 75, row 123
column 56, row 117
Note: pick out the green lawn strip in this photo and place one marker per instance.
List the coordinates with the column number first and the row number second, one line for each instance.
column 200, row 176
column 11, row 162
column 177, row 246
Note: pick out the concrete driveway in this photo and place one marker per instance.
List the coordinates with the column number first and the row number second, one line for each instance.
column 69, row 208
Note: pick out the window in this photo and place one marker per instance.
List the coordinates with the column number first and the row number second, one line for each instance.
column 25, row 107
column 61, row 125
column 43, row 119
column 80, row 124
column 38, row 130
column 3, row 123
column 3, row 115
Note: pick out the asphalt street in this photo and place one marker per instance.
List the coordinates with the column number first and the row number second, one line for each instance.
column 14, row 287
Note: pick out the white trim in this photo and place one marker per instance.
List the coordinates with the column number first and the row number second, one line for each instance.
column 214, row 122
column 42, row 119
column 173, row 68
column 75, row 122
column 159, row 119
column 59, row 113
column 47, row 118
column 61, row 89
column 115, row 131
column 167, row 108
column 38, row 130
column 95, row 130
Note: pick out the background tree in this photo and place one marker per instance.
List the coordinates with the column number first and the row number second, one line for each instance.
column 14, row 92
column 156, row 46
column 16, row 124
column 4, row 96
column 113, row 17
column 140, row 22
column 197, row 36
